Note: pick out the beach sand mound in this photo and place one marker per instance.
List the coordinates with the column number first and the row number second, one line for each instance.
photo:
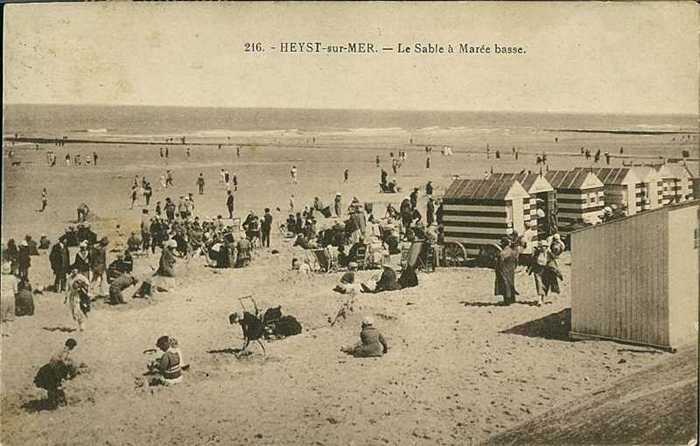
column 657, row 405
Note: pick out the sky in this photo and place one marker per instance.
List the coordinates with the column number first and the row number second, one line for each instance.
column 580, row 57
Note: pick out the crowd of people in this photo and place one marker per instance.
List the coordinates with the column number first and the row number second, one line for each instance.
column 356, row 236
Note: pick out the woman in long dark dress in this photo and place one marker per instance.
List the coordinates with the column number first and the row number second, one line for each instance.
column 506, row 263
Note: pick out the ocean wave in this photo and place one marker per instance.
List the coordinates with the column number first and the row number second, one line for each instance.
column 101, row 130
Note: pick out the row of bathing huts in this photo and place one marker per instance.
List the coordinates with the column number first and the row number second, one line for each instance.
column 634, row 279
column 480, row 212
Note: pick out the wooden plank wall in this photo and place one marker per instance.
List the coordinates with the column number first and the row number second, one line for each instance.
column 620, row 280
column 684, row 254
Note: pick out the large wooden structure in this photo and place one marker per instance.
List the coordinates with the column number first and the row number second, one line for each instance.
column 580, row 196
column 481, row 212
column 636, row 279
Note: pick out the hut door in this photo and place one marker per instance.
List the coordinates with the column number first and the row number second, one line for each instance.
column 546, row 225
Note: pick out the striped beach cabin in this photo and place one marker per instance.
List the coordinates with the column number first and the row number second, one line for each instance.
column 580, row 195
column 677, row 183
column 652, row 190
column 620, row 187
column 539, row 189
column 481, row 212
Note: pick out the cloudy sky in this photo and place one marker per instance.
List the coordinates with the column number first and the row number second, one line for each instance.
column 610, row 58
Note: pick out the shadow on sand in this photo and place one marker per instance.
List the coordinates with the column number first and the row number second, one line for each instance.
column 61, row 329
column 39, row 405
column 228, row 351
column 554, row 326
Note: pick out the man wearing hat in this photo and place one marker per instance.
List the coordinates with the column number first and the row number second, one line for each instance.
column 24, row 260
column 60, row 264
column 372, row 343
column 506, row 262
column 266, row 228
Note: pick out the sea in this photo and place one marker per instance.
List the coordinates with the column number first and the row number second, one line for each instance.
column 72, row 120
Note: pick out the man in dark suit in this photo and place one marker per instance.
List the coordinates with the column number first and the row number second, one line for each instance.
column 60, row 264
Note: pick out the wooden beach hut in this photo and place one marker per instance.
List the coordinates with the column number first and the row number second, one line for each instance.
column 677, row 183
column 542, row 205
column 636, row 279
column 481, row 212
column 620, row 187
column 579, row 195
column 651, row 192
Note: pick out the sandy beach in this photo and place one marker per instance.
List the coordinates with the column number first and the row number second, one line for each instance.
column 459, row 370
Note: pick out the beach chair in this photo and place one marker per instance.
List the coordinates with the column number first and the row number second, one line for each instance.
column 361, row 257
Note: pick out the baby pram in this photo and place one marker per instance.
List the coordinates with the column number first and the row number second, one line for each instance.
column 270, row 324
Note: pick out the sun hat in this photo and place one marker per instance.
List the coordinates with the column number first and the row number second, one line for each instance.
column 367, row 321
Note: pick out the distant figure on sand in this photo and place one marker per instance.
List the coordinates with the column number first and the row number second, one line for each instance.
column 44, row 200
column 293, row 173
column 134, row 194
column 200, row 183
column 346, row 175
column 229, row 204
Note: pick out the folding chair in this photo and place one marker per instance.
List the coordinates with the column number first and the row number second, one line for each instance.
column 361, row 257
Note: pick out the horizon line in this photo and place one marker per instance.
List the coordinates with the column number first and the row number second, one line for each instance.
column 355, row 109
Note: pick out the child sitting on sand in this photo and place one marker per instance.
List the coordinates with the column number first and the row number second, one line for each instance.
column 167, row 368
column 372, row 343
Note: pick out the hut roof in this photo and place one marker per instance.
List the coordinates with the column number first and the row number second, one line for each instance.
column 615, row 175
column 679, row 170
column 572, row 179
column 646, row 173
column 531, row 182
column 488, row 189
